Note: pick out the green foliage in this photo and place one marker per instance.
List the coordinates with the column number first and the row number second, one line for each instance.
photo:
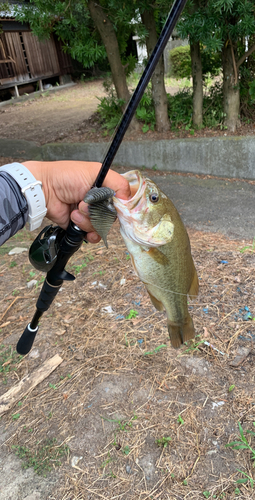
column 47, row 456
column 211, row 62
column 9, row 360
column 180, row 61
column 164, row 441
column 244, row 444
column 132, row 314
column 145, row 111
column 157, row 349
column 180, row 108
column 110, row 111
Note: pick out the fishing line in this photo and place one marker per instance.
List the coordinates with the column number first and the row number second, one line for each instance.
column 178, row 293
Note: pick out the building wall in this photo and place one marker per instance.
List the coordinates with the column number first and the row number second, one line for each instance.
column 23, row 58
column 142, row 52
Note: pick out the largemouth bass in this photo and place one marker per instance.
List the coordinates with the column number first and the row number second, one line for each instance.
column 159, row 248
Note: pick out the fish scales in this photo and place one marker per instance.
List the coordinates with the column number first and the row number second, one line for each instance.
column 159, row 246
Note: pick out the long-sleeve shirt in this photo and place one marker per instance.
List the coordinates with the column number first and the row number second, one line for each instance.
column 13, row 207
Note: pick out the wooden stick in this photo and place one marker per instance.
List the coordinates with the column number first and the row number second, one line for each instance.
column 28, row 383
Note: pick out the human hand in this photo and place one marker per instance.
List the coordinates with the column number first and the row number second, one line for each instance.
column 65, row 184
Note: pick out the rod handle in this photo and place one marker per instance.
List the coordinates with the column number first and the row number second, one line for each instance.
column 26, row 340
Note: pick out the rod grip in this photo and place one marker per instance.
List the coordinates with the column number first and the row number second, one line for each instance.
column 26, row 340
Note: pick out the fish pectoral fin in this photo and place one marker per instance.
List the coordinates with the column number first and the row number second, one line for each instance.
column 181, row 333
column 159, row 306
column 193, row 291
column 158, row 256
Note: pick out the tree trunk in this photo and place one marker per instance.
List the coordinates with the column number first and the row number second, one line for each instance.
column 231, row 94
column 109, row 39
column 197, row 76
column 157, row 81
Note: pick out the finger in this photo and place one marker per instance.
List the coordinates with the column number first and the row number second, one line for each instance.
column 81, row 218
column 119, row 184
column 93, row 237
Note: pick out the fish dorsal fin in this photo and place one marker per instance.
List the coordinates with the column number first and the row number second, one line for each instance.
column 193, row 291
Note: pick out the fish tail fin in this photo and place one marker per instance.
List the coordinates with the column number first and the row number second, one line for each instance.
column 188, row 329
column 175, row 334
column 181, row 333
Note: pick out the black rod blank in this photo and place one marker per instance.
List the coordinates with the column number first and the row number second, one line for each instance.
column 142, row 84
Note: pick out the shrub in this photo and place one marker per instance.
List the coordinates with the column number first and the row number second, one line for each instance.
column 180, row 61
column 211, row 62
column 180, row 108
column 110, row 111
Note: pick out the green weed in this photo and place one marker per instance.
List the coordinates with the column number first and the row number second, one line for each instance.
column 123, row 425
column 194, row 345
column 4, row 250
column 132, row 314
column 155, row 350
column 47, row 456
column 180, row 420
column 164, row 441
column 13, row 264
column 243, row 444
column 9, row 360
column 80, row 267
column 248, row 247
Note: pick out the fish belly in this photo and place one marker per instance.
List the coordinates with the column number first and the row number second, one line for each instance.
column 165, row 289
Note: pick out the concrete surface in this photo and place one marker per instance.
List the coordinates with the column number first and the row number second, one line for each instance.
column 205, row 204
column 219, row 156
column 212, row 204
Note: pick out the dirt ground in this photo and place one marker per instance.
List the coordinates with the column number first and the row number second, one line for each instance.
column 68, row 115
column 125, row 416
column 132, row 417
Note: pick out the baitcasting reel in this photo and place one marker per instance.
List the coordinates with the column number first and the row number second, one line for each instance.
column 44, row 249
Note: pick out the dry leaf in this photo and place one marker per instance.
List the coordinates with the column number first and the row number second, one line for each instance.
column 5, row 324
column 60, row 333
column 206, row 333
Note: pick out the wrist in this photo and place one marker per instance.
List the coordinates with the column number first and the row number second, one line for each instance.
column 39, row 171
column 30, row 187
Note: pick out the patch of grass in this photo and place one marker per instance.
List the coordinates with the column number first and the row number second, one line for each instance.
column 249, row 248
column 243, row 444
column 194, row 345
column 13, row 264
column 42, row 460
column 132, row 314
column 155, row 350
column 5, row 249
column 180, row 420
column 79, row 267
column 9, row 360
column 164, row 441
column 123, row 425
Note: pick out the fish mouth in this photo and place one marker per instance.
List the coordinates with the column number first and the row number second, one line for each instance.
column 137, row 186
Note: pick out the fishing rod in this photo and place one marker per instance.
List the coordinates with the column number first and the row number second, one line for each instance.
column 54, row 246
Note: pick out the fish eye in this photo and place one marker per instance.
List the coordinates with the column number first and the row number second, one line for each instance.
column 154, row 197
